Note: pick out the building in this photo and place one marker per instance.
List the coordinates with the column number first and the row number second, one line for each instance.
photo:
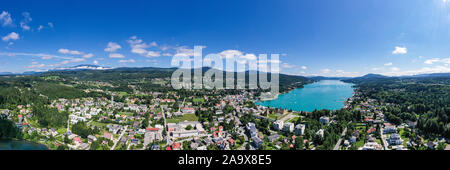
column 186, row 133
column 300, row 129
column 278, row 125
column 288, row 127
column 395, row 139
column 390, row 129
column 324, row 120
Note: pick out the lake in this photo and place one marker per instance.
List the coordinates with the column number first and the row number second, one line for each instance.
column 325, row 94
column 20, row 145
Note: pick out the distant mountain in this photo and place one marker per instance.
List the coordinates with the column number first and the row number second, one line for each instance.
column 83, row 67
column 318, row 78
column 6, row 73
column 431, row 75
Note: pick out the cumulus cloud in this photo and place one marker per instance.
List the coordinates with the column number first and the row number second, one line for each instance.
column 5, row 19
column 67, row 51
column 184, row 51
column 153, row 54
column 95, row 62
column 400, row 50
column 11, row 36
column 304, row 67
column 388, row 64
column 139, row 47
column 116, row 55
column 112, row 47
column 230, row 53
column 50, row 25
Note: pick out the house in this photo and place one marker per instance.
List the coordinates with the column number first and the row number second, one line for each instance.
column 390, row 129
column 77, row 140
column 273, row 138
column 92, row 138
column 352, row 139
column 395, row 139
column 108, row 136
column 288, row 127
column 257, row 142
column 324, row 120
column 278, row 125
column 176, row 146
column 300, row 129
column 188, row 110
column 320, row 132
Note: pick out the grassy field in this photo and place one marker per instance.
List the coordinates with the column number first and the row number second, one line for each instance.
column 126, row 113
column 200, row 100
column 188, row 117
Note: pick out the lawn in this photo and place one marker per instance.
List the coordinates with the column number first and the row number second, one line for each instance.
column 98, row 124
column 200, row 100
column 126, row 113
column 188, row 117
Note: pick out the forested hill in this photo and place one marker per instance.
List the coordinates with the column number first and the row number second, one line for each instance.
column 425, row 99
column 129, row 75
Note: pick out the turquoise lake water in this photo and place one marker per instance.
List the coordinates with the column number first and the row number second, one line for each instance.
column 325, row 94
column 20, row 145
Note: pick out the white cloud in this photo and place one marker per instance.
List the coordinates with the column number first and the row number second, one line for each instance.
column 139, row 47
column 5, row 19
column 184, row 51
column 40, row 28
column 395, row 69
column 73, row 60
column 153, row 54
column 437, row 60
column 249, row 57
column 230, row 54
column 304, row 67
column 325, row 71
column 116, row 55
column 67, row 51
column 286, row 65
column 36, row 65
column 400, row 50
column 95, row 62
column 11, row 36
column 127, row 61
column 90, row 55
column 50, row 25
column 26, row 19
column 167, row 54
column 112, row 46
column 388, row 64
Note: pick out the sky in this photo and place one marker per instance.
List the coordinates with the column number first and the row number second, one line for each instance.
column 313, row 37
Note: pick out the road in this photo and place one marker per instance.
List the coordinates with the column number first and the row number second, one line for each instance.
column 384, row 139
column 118, row 139
column 165, row 126
column 336, row 147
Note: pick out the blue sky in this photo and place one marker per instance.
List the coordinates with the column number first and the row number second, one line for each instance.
column 314, row 37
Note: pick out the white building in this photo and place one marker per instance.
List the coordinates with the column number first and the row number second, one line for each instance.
column 288, row 127
column 300, row 129
column 278, row 125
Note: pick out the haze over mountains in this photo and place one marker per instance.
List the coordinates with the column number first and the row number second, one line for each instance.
column 316, row 78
